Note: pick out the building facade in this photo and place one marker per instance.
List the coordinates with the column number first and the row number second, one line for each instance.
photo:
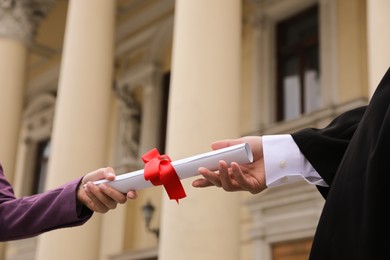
column 88, row 84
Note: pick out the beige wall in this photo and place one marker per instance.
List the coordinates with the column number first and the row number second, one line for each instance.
column 352, row 50
column 247, row 61
column 378, row 40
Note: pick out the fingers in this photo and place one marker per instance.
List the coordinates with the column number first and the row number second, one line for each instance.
column 103, row 198
column 132, row 195
column 232, row 178
column 91, row 199
column 225, row 143
column 201, row 183
column 226, row 178
column 103, row 173
column 212, row 178
column 100, row 202
column 239, row 177
column 113, row 194
column 237, row 173
column 109, row 174
column 223, row 178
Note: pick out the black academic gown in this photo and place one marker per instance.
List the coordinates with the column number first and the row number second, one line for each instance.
column 352, row 155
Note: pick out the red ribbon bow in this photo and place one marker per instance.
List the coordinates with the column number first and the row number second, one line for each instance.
column 159, row 170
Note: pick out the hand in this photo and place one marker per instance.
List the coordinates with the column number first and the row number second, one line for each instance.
column 249, row 177
column 101, row 198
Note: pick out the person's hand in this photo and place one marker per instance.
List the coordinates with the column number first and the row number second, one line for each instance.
column 101, row 198
column 249, row 177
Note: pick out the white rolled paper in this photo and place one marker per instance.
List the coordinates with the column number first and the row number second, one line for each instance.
column 185, row 168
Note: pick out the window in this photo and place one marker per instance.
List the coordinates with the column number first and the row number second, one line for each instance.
column 42, row 159
column 164, row 111
column 298, row 87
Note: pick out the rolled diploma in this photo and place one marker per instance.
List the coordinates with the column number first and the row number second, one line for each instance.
column 185, row 168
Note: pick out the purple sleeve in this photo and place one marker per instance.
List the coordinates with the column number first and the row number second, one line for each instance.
column 33, row 215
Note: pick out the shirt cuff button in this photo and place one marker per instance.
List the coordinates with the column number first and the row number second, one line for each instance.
column 282, row 164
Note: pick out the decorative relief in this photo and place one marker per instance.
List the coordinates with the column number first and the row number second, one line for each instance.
column 263, row 3
column 129, row 126
column 131, row 134
column 259, row 18
column 143, row 75
column 38, row 118
column 139, row 82
column 19, row 18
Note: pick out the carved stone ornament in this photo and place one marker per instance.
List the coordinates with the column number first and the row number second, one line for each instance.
column 19, row 18
column 39, row 116
column 129, row 126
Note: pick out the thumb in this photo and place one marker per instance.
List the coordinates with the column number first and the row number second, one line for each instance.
column 225, row 143
column 102, row 173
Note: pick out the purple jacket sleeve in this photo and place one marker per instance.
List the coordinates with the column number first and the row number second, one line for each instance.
column 32, row 215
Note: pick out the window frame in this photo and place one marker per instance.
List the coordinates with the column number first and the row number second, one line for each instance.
column 266, row 14
column 298, row 49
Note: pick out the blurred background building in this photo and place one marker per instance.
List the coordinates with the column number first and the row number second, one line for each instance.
column 87, row 84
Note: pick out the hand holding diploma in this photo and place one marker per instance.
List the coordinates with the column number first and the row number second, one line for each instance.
column 184, row 168
column 237, row 176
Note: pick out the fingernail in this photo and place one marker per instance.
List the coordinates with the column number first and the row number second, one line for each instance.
column 89, row 185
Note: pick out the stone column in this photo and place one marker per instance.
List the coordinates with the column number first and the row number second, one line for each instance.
column 81, row 123
column 18, row 23
column 204, row 107
column 12, row 74
column 378, row 40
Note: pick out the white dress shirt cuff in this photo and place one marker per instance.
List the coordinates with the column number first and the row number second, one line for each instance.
column 284, row 163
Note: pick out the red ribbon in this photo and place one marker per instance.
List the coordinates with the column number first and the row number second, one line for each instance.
column 159, row 170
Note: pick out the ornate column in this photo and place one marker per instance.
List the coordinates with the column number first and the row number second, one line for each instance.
column 204, row 107
column 18, row 22
column 81, row 122
column 378, row 41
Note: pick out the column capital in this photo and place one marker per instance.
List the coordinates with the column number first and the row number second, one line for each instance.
column 259, row 17
column 258, row 20
column 259, row 3
column 19, row 18
column 144, row 75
